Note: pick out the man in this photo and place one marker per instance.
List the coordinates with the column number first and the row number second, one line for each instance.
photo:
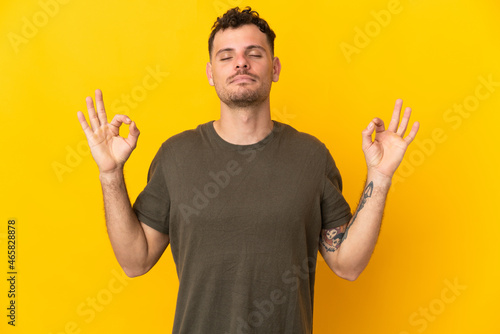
column 245, row 202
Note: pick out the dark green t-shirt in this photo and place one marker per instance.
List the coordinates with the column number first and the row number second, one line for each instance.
column 244, row 223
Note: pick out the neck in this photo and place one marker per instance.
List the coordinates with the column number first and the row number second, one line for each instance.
column 244, row 126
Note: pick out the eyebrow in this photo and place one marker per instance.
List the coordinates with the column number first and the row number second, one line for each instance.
column 247, row 48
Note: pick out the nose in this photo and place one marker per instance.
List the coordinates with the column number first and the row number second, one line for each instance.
column 242, row 63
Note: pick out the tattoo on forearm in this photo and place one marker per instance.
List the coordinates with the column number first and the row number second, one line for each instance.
column 331, row 239
column 366, row 194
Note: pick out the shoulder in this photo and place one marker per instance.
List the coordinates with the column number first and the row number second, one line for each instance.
column 185, row 140
column 301, row 139
column 310, row 147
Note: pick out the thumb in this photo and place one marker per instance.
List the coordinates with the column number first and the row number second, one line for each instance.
column 367, row 136
column 133, row 134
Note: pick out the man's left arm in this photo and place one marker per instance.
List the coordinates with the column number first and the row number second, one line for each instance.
column 347, row 249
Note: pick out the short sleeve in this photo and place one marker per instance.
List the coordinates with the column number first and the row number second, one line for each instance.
column 335, row 210
column 152, row 206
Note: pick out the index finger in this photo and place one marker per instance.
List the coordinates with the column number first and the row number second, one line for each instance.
column 101, row 112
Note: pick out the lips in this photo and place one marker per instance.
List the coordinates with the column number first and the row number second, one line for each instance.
column 242, row 78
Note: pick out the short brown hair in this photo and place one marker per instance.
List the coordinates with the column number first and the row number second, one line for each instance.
column 235, row 18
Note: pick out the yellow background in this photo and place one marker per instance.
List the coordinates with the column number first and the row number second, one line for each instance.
column 441, row 223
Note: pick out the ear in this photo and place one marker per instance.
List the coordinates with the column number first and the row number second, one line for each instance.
column 276, row 69
column 209, row 74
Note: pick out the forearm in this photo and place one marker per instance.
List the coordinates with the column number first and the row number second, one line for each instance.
column 124, row 229
column 383, row 154
column 363, row 230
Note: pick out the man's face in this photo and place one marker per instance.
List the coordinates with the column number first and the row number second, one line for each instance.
column 242, row 67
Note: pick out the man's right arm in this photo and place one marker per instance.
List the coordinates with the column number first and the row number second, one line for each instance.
column 137, row 247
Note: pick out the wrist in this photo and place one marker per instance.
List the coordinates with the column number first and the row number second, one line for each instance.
column 111, row 176
column 379, row 180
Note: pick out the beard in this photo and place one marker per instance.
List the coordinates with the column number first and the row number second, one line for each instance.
column 243, row 95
